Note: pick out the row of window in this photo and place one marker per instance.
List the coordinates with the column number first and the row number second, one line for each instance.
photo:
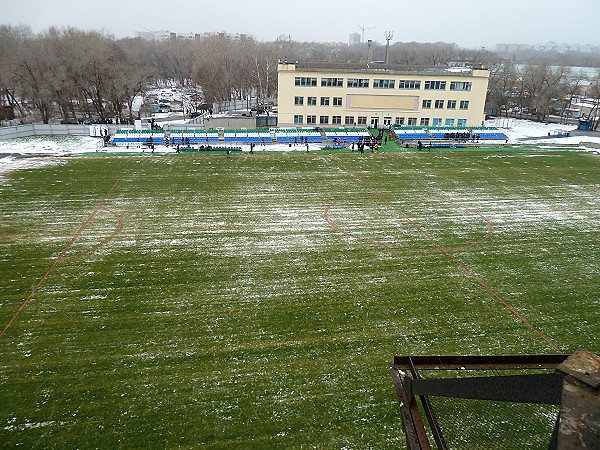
column 312, row 101
column 362, row 120
column 426, row 104
column 450, row 104
column 384, row 83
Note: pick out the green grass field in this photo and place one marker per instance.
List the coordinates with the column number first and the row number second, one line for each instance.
column 257, row 301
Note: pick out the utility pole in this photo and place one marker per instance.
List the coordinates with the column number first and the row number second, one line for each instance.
column 388, row 37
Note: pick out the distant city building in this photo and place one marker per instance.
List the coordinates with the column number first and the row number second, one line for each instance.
column 188, row 36
column 154, row 35
column 160, row 36
column 566, row 48
column 351, row 95
column 507, row 48
column 354, row 39
column 548, row 46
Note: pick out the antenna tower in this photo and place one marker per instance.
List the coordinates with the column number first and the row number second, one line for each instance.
column 388, row 37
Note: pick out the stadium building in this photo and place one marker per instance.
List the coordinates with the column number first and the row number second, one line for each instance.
column 344, row 95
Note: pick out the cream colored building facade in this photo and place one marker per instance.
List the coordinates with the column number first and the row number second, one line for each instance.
column 340, row 95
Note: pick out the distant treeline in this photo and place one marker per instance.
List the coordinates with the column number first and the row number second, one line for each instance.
column 70, row 73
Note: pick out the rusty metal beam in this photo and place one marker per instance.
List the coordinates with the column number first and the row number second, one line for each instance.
column 428, row 408
column 533, row 388
column 412, row 422
column 474, row 362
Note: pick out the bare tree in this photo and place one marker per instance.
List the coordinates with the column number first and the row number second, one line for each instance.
column 32, row 74
column 503, row 79
column 12, row 40
column 573, row 87
column 94, row 68
column 593, row 92
column 550, row 87
column 215, row 68
column 264, row 72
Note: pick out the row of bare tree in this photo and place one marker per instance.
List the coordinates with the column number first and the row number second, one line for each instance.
column 538, row 90
column 69, row 73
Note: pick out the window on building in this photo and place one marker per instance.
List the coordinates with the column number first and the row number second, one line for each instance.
column 362, row 120
column 333, row 82
column 399, row 121
column 439, row 104
column 464, row 104
column 311, row 101
column 460, row 85
column 387, row 120
column 337, row 101
column 324, row 101
column 462, row 122
column 449, row 122
column 424, row 121
column 435, row 85
column 358, row 82
column 409, row 84
column 412, row 121
column 451, row 104
column 323, row 120
column 298, row 101
column 311, row 119
column 305, row 81
column 437, row 122
column 336, row 120
column 426, row 104
column 384, row 84
column 349, row 120
column 298, row 119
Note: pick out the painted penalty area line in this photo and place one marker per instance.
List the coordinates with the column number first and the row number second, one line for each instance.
column 468, row 271
column 60, row 258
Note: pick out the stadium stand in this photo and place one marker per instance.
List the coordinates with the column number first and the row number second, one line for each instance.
column 298, row 136
column 346, row 135
column 488, row 133
column 449, row 133
column 338, row 136
column 411, row 133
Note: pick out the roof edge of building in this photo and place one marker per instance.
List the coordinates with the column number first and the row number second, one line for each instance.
column 380, row 68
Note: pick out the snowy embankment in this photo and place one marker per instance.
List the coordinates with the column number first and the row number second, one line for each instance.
column 538, row 134
column 16, row 152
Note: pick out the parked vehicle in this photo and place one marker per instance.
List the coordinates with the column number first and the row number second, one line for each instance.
column 95, row 121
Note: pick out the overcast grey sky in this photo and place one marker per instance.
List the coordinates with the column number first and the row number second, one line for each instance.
column 469, row 23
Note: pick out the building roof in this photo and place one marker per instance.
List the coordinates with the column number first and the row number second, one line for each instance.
column 379, row 68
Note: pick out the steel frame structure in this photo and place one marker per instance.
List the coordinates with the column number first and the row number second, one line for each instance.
column 573, row 384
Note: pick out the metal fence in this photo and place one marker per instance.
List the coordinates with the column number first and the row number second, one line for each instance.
column 17, row 131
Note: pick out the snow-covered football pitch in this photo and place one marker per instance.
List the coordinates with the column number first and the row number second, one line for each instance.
column 257, row 301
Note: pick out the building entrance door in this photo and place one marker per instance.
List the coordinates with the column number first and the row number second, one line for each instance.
column 374, row 122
